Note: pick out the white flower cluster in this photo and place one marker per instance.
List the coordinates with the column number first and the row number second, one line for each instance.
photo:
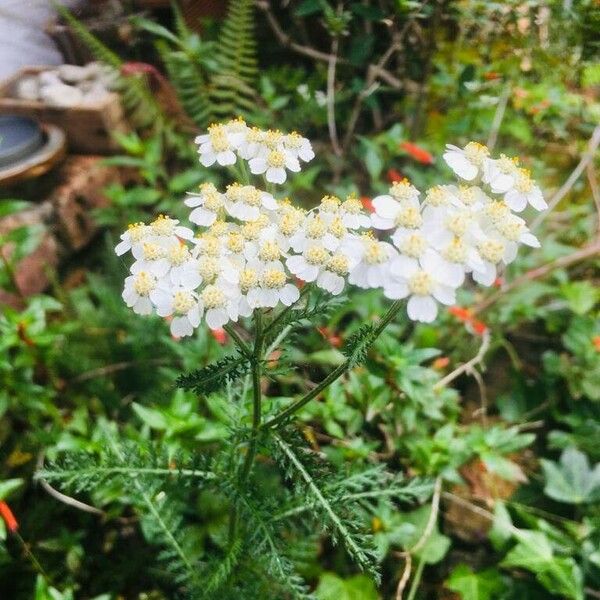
column 271, row 153
column 252, row 250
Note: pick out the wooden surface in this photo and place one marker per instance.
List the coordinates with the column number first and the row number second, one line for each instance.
column 88, row 128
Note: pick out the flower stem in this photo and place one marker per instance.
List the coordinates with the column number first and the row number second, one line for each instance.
column 335, row 374
column 246, row 351
column 255, row 356
column 256, row 394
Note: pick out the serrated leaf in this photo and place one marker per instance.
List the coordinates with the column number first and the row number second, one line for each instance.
column 470, row 585
column 572, row 480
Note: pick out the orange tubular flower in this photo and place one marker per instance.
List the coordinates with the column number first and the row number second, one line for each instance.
column 394, row 175
column 219, row 335
column 367, row 203
column 7, row 515
column 417, row 153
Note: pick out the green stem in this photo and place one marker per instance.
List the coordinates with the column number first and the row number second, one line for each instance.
column 256, row 358
column 335, row 374
column 416, row 580
column 235, row 336
column 256, row 394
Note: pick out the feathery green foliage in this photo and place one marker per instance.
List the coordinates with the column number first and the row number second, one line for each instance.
column 232, row 85
column 214, row 376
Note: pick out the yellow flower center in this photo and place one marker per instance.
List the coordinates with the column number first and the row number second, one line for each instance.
column 293, row 140
column 455, row 251
column 374, row 253
column 420, row 283
column 337, row 228
column 213, row 201
column 252, row 196
column 269, row 251
column 272, row 138
column 511, row 228
column 208, row 267
column 235, row 242
column 144, row 283
column 409, row 217
column 234, row 192
column 338, row 263
column 163, row 225
column 137, row 231
column 290, row 222
column 476, row 153
column 436, row 196
column 273, row 279
column 178, row 255
column 213, row 297
column 414, row 245
column 467, row 194
column 316, row 228
column 352, row 206
column 218, row 138
column 507, row 165
column 492, row 251
column 183, row 302
column 276, row 159
column 524, row 182
column 210, row 245
column 403, row 190
column 316, row 255
column 497, row 211
column 248, row 280
column 153, row 251
column 458, row 223
column 329, row 204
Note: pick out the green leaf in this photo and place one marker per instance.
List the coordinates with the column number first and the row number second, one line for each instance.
column 8, row 486
column 534, row 553
column 484, row 585
column 371, row 155
column 358, row 587
column 581, row 296
column 572, row 481
column 503, row 467
column 371, row 13
column 8, row 207
column 437, row 544
column 152, row 418
column 214, row 376
column 309, row 7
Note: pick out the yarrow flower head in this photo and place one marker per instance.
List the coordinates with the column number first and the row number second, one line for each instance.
column 251, row 248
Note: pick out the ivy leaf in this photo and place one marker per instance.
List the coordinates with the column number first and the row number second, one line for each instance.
column 484, row 585
column 437, row 544
column 580, row 295
column 572, row 481
column 558, row 575
column 358, row 587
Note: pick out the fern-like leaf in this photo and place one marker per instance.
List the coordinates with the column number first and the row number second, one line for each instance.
column 214, row 376
column 233, row 84
column 342, row 529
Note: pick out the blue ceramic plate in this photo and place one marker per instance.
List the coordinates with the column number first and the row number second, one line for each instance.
column 20, row 137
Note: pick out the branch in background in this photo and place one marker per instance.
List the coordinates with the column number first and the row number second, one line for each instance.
column 586, row 159
column 420, row 543
column 469, row 366
column 591, row 175
column 499, row 116
column 333, row 136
